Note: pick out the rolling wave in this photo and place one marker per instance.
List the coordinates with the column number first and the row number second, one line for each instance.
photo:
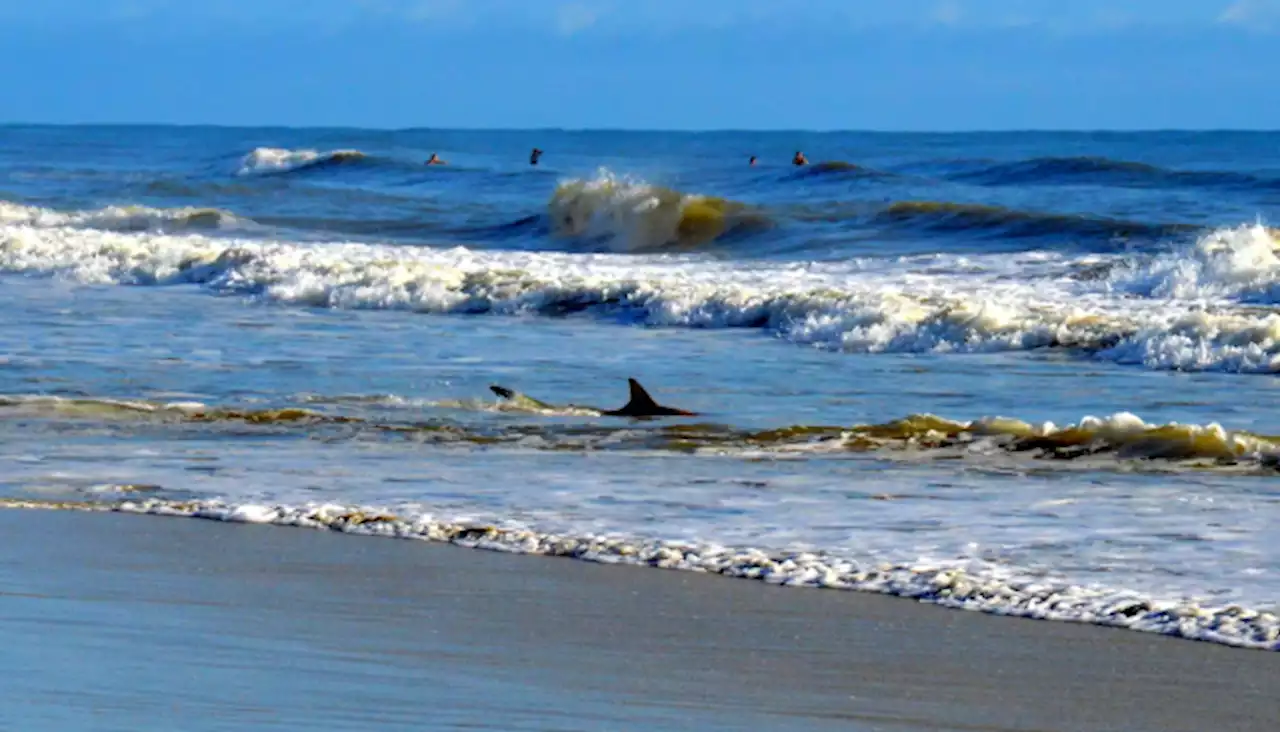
column 276, row 161
column 124, row 218
column 610, row 214
column 838, row 169
column 185, row 219
column 607, row 212
column 272, row 161
column 631, row 215
column 1106, row 171
column 872, row 306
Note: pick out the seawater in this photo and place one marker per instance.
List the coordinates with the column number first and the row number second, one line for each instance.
column 1030, row 374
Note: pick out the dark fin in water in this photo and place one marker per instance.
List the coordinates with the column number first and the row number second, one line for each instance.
column 519, row 400
column 643, row 405
column 640, row 405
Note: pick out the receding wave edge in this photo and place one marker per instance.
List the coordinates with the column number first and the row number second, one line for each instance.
column 952, row 587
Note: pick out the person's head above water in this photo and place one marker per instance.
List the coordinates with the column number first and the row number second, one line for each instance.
column 533, row 156
column 799, row 159
column 752, row 161
column 435, row 160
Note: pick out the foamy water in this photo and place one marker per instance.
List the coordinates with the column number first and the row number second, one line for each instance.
column 1190, row 318
column 1050, row 401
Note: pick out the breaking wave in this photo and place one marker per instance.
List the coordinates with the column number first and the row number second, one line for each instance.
column 274, row 160
column 631, row 215
column 968, row 585
column 123, row 218
column 628, row 215
column 967, row 304
column 1240, row 263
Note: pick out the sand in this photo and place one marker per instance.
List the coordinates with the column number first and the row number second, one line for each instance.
column 113, row 621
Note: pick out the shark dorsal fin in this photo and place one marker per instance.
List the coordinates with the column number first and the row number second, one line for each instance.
column 640, row 405
column 640, row 402
column 643, row 405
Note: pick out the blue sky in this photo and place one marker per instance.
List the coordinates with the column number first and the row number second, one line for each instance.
column 655, row 64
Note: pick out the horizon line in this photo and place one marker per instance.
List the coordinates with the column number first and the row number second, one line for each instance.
column 666, row 130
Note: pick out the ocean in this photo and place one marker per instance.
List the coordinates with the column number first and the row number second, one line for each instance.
column 1030, row 374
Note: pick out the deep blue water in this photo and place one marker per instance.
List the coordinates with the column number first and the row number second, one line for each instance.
column 166, row 292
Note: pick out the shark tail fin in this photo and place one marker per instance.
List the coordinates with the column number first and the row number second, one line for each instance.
column 519, row 400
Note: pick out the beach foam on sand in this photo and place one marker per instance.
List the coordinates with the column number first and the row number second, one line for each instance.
column 117, row 621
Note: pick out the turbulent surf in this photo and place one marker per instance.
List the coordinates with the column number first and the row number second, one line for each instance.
column 1030, row 376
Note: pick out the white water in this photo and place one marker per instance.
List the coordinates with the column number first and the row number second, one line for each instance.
column 1191, row 313
column 266, row 160
column 1109, row 540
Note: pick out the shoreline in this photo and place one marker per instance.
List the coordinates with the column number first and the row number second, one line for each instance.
column 134, row 620
column 1227, row 625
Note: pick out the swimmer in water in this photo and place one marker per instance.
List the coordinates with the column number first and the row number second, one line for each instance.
column 435, row 160
column 799, row 159
column 752, row 161
column 533, row 156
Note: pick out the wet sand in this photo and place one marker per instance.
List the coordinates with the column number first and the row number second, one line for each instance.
column 119, row 622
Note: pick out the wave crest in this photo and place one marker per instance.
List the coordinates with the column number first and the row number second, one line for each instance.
column 274, row 160
column 1233, row 263
column 836, row 169
column 631, row 215
column 1059, row 169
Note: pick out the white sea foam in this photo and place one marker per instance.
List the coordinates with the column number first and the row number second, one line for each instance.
column 979, row 304
column 1127, row 431
column 968, row 585
column 1123, row 435
column 1231, row 263
column 121, row 218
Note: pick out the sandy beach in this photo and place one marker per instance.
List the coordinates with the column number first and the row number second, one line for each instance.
column 114, row 621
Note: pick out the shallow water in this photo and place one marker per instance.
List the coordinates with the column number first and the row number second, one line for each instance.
column 242, row 316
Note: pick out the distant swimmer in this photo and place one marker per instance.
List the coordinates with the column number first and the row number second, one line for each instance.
column 752, row 161
column 435, row 160
column 799, row 159
column 533, row 156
